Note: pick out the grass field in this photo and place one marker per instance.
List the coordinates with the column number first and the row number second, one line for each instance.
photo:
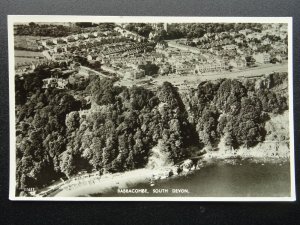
column 23, row 56
column 28, row 42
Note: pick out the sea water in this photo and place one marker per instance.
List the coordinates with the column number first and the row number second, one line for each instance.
column 221, row 178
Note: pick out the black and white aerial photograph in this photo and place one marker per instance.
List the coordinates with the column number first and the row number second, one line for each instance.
column 151, row 108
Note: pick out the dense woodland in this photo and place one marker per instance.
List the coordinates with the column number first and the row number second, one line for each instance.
column 59, row 134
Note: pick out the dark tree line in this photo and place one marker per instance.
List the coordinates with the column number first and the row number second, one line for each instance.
column 52, row 30
column 142, row 29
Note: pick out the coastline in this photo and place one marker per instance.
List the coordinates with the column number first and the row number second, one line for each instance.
column 272, row 150
column 108, row 182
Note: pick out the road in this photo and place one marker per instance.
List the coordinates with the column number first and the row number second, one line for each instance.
column 195, row 79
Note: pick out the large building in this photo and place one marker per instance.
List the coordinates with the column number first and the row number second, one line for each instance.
column 210, row 67
column 262, row 58
column 54, row 83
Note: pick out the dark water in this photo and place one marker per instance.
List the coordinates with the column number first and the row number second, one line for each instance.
column 242, row 178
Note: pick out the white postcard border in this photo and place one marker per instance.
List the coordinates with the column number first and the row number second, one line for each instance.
column 146, row 19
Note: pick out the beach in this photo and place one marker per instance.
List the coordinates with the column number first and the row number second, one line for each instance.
column 107, row 182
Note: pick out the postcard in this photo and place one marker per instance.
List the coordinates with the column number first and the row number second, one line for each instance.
column 111, row 108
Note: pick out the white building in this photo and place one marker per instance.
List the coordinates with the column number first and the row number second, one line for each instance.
column 54, row 83
column 229, row 47
column 262, row 58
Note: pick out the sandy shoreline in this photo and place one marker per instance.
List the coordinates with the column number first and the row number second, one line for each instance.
column 107, row 182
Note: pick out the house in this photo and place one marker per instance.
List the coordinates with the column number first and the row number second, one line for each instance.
column 92, row 35
column 210, row 67
column 238, row 40
column 202, row 58
column 280, row 47
column 161, row 45
column 54, row 83
column 238, row 63
column 266, row 41
column 245, row 31
column 262, row 58
column 253, row 45
column 72, row 38
column 57, row 57
column 183, row 67
column 61, row 41
column 283, row 35
column 278, row 57
column 230, row 47
column 240, row 51
column 54, row 40
column 91, row 57
column 283, row 28
column 59, row 49
column 138, row 73
column 133, row 73
column 81, row 37
column 164, row 69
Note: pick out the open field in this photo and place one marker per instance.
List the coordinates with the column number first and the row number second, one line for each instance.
column 28, row 42
column 22, row 56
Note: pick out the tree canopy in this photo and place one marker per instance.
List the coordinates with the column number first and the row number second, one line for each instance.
column 58, row 134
